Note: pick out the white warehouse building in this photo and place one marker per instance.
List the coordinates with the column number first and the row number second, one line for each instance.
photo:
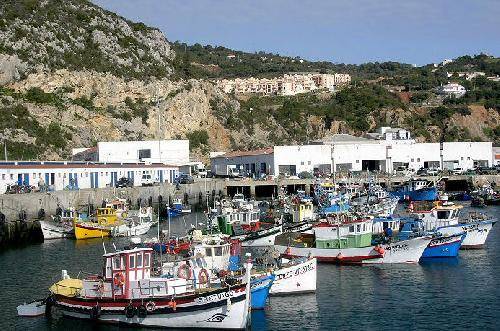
column 384, row 151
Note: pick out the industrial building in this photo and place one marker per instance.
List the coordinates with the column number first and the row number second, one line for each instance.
column 149, row 151
column 386, row 150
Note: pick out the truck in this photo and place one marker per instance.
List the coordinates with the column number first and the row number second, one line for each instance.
column 226, row 171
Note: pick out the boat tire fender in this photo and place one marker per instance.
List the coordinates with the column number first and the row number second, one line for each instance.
column 95, row 312
column 142, row 311
column 49, row 302
column 129, row 311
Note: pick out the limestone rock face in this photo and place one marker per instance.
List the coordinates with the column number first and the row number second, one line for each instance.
column 11, row 68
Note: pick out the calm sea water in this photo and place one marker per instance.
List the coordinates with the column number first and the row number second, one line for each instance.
column 454, row 294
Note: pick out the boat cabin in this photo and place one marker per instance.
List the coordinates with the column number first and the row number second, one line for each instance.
column 442, row 214
column 106, row 216
column 303, row 211
column 351, row 233
column 127, row 275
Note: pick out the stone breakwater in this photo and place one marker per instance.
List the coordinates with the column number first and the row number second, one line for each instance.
column 20, row 233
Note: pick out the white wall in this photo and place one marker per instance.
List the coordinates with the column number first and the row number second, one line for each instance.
column 355, row 153
column 467, row 152
column 175, row 152
column 218, row 165
column 304, row 157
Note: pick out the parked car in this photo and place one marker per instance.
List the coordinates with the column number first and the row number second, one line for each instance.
column 124, row 182
column 185, row 179
column 458, row 171
column 432, row 172
column 147, row 180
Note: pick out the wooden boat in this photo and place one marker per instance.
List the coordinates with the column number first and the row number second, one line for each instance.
column 106, row 218
column 128, row 293
column 348, row 241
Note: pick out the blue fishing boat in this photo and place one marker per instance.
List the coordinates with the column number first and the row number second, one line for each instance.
column 440, row 246
column 416, row 190
column 260, row 288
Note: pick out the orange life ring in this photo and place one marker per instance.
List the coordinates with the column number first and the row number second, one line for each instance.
column 184, row 272
column 172, row 304
column 119, row 279
column 380, row 250
column 203, row 277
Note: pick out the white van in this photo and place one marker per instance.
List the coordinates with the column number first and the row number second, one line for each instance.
column 147, row 180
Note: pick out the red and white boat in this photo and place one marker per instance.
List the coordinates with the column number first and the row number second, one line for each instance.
column 127, row 293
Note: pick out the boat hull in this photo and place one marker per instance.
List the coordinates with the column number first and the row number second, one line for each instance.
column 445, row 246
column 298, row 278
column 261, row 238
column 260, row 291
column 55, row 231
column 88, row 230
column 425, row 194
column 405, row 251
column 221, row 310
column 126, row 231
column 476, row 232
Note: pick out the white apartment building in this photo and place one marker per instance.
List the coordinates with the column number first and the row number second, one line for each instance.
column 452, row 90
column 288, row 84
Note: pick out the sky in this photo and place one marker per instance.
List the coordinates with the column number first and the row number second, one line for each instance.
column 348, row 31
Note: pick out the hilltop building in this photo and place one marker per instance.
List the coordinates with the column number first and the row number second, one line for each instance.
column 452, row 90
column 288, row 84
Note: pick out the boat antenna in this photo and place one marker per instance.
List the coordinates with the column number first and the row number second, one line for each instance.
column 114, row 246
column 104, row 247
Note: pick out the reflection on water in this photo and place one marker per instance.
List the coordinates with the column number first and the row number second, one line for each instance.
column 440, row 294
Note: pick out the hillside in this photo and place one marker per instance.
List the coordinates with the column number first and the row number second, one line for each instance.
column 72, row 74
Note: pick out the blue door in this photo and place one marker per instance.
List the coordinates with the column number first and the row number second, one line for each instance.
column 160, row 175
column 75, row 180
column 47, row 179
column 26, row 180
column 19, row 179
column 94, row 182
column 114, row 178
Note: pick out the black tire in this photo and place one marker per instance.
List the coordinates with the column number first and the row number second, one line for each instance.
column 95, row 312
column 130, row 311
column 49, row 302
column 142, row 312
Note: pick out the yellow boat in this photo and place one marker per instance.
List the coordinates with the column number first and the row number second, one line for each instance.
column 106, row 219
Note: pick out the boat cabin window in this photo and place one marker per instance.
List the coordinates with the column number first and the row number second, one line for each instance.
column 218, row 251
column 146, row 259
column 139, row 260
column 124, row 261
column 351, row 228
column 209, row 251
column 116, row 263
column 358, row 228
column 443, row 214
column 131, row 263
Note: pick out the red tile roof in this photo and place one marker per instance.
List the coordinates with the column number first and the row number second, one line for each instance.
column 262, row 151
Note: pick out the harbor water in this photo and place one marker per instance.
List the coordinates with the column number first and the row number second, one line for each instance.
column 451, row 294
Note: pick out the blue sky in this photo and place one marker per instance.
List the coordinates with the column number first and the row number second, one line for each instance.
column 349, row 31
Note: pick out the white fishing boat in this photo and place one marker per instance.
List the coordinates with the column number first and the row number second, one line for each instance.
column 31, row 309
column 127, row 293
column 444, row 217
column 61, row 226
column 349, row 242
column 295, row 276
column 137, row 224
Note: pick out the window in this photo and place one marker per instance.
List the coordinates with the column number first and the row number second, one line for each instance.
column 146, row 260
column 357, row 161
column 418, row 159
column 309, row 162
column 116, row 263
column 468, row 157
column 218, row 251
column 139, row 260
column 86, row 174
column 106, row 173
column 209, row 251
column 34, row 175
column 144, row 154
column 59, row 175
column 301, row 162
column 131, row 262
column 462, row 158
column 3, row 176
column 11, row 176
column 358, row 228
column 351, row 228
column 412, row 160
column 123, row 262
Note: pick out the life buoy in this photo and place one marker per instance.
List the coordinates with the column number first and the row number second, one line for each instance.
column 119, row 279
column 142, row 311
column 203, row 277
column 129, row 311
column 380, row 250
column 184, row 272
column 150, row 306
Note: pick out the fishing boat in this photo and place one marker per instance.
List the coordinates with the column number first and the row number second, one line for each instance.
column 105, row 219
column 136, row 225
column 32, row 309
column 294, row 276
column 440, row 245
column 178, row 208
column 61, row 226
column 444, row 217
column 128, row 293
column 416, row 190
column 348, row 240
column 260, row 287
